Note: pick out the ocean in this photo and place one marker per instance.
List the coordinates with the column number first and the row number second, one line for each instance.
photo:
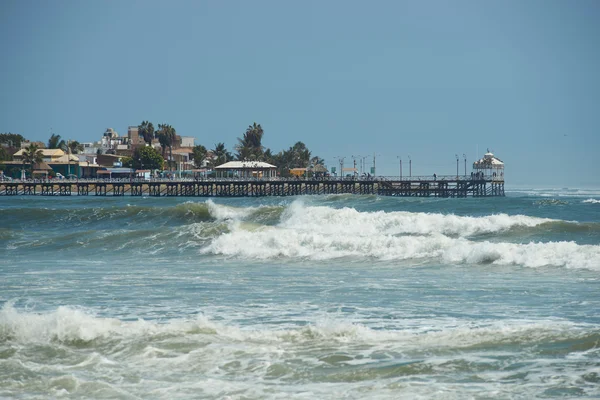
column 310, row 297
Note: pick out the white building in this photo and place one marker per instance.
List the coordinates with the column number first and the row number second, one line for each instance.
column 490, row 166
column 246, row 169
column 187, row 141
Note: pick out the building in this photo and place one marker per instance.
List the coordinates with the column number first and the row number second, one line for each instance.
column 246, row 169
column 59, row 162
column 109, row 160
column 27, row 143
column 490, row 166
column 49, row 155
column 134, row 137
column 91, row 147
column 187, row 141
column 182, row 158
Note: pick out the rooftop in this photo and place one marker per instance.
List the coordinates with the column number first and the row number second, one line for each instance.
column 245, row 165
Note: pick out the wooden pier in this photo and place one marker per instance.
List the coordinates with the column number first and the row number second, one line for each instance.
column 441, row 187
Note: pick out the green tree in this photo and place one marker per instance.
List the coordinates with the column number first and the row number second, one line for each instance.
column 127, row 162
column 162, row 140
column 55, row 142
column 146, row 157
column 199, row 154
column 316, row 165
column 75, row 147
column 146, row 130
column 297, row 156
column 4, row 155
column 316, row 160
column 269, row 157
column 32, row 155
column 221, row 155
column 166, row 137
column 12, row 139
column 250, row 144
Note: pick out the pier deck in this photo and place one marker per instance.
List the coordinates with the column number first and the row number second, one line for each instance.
column 440, row 187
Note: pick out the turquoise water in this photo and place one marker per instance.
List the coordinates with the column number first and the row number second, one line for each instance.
column 322, row 297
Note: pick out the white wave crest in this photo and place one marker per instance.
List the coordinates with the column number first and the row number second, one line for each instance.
column 71, row 324
column 329, row 220
column 67, row 324
column 552, row 192
column 592, row 201
column 323, row 233
column 275, row 242
column 172, row 355
column 222, row 212
column 62, row 324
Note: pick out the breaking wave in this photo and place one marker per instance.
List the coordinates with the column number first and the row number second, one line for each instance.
column 70, row 352
column 323, row 233
column 591, row 201
column 330, row 220
column 76, row 326
column 316, row 232
column 273, row 243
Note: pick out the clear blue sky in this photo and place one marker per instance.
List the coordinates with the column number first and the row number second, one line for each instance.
column 428, row 79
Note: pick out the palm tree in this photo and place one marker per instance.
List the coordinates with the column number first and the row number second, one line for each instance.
column 162, row 140
column 316, row 160
column 317, row 165
column 199, row 154
column 32, row 155
column 300, row 155
column 55, row 142
column 172, row 138
column 255, row 133
column 250, row 144
column 146, row 129
column 75, row 147
column 268, row 156
column 166, row 137
column 221, row 155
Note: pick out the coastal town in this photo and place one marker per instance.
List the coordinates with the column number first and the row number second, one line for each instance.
column 162, row 163
column 145, row 152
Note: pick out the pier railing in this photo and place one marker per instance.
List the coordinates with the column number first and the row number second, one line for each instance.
column 357, row 178
column 419, row 186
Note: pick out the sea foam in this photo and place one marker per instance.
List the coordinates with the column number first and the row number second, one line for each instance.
column 331, row 220
column 74, row 325
column 323, row 233
column 272, row 243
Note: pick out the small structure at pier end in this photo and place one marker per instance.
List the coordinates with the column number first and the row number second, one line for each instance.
column 490, row 166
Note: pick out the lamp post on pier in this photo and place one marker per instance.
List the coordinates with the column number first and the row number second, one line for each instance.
column 400, row 158
column 456, row 155
column 465, row 158
column 410, row 167
column 364, row 164
column 357, row 157
column 341, row 161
